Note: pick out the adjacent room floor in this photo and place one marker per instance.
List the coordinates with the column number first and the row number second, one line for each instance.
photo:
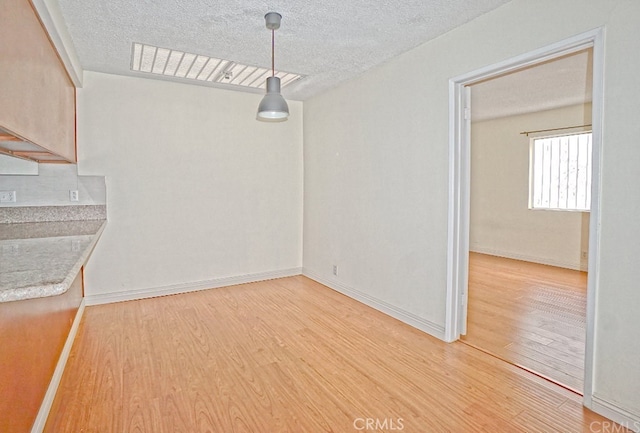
column 529, row 314
column 289, row 355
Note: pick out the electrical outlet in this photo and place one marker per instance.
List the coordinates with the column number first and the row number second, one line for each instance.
column 335, row 270
column 73, row 195
column 585, row 255
column 7, row 196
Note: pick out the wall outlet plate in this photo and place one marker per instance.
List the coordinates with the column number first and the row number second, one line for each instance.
column 73, row 195
column 7, row 196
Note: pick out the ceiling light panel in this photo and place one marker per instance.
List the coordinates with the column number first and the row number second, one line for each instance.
column 174, row 63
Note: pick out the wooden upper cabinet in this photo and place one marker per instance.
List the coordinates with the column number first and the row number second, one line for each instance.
column 37, row 97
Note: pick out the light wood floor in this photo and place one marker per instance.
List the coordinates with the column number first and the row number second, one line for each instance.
column 289, row 355
column 529, row 314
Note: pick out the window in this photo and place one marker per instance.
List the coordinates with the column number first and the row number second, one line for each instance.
column 560, row 173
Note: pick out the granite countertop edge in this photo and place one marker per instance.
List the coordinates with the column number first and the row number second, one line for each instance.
column 53, row 289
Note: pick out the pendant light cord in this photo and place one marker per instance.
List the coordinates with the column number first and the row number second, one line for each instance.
column 273, row 47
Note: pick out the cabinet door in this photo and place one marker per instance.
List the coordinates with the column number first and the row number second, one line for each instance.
column 33, row 333
column 37, row 97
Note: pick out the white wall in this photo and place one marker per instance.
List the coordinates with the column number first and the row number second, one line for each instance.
column 501, row 222
column 376, row 173
column 197, row 189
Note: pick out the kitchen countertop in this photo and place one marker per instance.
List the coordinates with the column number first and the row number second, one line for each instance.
column 40, row 259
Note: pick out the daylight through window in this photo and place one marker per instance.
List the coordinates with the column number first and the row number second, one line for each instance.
column 560, row 177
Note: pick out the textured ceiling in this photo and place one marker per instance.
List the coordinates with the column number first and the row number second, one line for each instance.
column 329, row 42
column 558, row 83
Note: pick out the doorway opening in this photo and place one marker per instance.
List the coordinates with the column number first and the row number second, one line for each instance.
column 529, row 217
column 460, row 184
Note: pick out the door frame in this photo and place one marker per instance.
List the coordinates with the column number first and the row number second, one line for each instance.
column 460, row 193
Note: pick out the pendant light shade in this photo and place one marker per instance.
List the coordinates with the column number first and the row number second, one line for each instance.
column 273, row 107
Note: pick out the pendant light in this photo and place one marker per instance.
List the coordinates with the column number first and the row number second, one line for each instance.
column 273, row 107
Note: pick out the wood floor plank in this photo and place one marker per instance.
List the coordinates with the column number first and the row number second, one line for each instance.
column 529, row 314
column 559, row 353
column 287, row 355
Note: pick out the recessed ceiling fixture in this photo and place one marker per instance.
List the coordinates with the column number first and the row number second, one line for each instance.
column 273, row 107
column 180, row 64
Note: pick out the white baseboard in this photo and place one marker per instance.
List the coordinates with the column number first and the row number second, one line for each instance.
column 527, row 258
column 130, row 295
column 380, row 305
column 47, row 402
column 623, row 417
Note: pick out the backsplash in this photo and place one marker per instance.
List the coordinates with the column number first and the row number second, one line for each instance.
column 12, row 165
column 52, row 186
